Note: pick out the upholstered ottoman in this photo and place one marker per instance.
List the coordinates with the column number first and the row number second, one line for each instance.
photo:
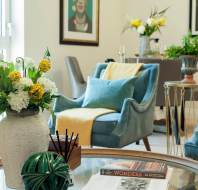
column 191, row 146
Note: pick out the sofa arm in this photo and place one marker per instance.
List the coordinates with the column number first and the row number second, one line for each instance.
column 136, row 121
column 62, row 103
column 137, row 107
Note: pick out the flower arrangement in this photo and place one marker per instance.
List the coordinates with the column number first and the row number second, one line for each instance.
column 155, row 21
column 30, row 91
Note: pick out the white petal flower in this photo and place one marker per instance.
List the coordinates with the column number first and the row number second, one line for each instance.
column 141, row 29
column 22, row 83
column 18, row 100
column 150, row 21
column 29, row 62
column 49, row 85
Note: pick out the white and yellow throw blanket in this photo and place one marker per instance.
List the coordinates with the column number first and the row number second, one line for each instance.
column 80, row 120
column 116, row 71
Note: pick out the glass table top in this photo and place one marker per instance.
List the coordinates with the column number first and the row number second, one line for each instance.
column 182, row 173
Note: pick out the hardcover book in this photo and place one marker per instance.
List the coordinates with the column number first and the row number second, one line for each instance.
column 136, row 169
column 104, row 182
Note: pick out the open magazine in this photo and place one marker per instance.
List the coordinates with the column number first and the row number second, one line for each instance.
column 98, row 182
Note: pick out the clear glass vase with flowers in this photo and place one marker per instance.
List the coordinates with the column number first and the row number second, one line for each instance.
column 146, row 29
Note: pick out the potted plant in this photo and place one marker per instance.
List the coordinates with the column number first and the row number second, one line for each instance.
column 188, row 54
column 147, row 28
column 23, row 130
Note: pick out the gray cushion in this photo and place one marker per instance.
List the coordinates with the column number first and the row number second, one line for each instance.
column 105, row 124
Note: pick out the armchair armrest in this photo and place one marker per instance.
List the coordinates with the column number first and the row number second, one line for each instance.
column 137, row 107
column 62, row 103
column 135, row 121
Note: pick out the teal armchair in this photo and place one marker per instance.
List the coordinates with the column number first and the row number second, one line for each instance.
column 133, row 123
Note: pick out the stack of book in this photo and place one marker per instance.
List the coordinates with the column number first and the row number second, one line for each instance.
column 136, row 169
column 131, row 175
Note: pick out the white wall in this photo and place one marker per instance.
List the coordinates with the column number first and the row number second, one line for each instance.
column 42, row 29
column 177, row 21
column 17, row 17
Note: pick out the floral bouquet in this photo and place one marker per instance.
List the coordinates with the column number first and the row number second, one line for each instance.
column 29, row 90
column 153, row 23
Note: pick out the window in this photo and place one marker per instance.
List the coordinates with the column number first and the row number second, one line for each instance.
column 5, row 29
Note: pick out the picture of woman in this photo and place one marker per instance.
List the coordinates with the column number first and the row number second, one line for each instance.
column 80, row 21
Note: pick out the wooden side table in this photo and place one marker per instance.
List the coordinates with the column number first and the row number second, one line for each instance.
column 179, row 126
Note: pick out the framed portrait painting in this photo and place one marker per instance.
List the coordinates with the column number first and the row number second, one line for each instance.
column 194, row 17
column 79, row 22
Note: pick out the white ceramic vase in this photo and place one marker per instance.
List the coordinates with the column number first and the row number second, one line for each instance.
column 19, row 138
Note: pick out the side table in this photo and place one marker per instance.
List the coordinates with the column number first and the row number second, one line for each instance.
column 180, row 119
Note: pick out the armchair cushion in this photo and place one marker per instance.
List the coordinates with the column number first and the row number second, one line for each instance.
column 108, row 94
column 106, row 123
column 141, row 85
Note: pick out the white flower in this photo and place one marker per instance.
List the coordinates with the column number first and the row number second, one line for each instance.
column 141, row 29
column 29, row 62
column 150, row 21
column 22, row 83
column 49, row 85
column 18, row 100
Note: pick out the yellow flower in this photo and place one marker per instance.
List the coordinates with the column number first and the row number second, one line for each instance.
column 44, row 65
column 155, row 22
column 14, row 76
column 136, row 23
column 36, row 91
column 161, row 21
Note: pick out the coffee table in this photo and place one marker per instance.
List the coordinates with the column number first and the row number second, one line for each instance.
column 184, row 171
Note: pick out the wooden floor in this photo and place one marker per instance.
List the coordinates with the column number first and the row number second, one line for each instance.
column 157, row 142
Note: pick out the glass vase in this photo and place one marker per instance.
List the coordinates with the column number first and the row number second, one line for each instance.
column 189, row 68
column 144, row 46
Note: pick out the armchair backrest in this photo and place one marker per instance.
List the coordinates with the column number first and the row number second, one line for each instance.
column 77, row 81
column 146, row 83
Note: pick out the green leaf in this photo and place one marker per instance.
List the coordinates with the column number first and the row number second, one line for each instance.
column 162, row 12
column 3, row 102
column 46, row 171
column 47, row 53
column 174, row 52
column 34, row 74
